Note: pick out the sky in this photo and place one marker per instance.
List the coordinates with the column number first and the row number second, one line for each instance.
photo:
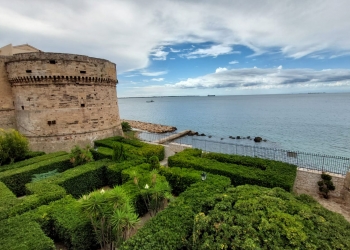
column 193, row 47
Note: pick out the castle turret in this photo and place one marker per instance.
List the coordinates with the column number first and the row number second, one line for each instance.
column 61, row 100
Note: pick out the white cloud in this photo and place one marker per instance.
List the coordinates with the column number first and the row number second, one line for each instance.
column 220, row 70
column 158, row 73
column 172, row 58
column 157, row 79
column 233, row 62
column 279, row 67
column 159, row 54
column 213, row 51
column 174, row 50
column 255, row 78
column 126, row 32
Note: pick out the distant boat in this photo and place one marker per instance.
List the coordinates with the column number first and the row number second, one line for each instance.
column 211, row 95
column 150, row 101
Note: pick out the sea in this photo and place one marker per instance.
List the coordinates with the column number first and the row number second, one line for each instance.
column 313, row 123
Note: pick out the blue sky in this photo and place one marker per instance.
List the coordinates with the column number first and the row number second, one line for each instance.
column 196, row 47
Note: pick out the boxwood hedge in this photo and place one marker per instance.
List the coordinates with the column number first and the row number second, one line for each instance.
column 15, row 179
column 133, row 147
column 20, row 232
column 276, row 174
column 172, row 227
column 31, row 161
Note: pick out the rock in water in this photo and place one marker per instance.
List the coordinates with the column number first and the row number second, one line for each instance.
column 257, row 139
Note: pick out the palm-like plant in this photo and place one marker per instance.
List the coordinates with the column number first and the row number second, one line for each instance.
column 103, row 209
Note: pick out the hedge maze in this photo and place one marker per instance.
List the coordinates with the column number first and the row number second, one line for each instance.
column 34, row 215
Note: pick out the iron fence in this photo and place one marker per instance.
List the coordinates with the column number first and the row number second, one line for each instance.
column 310, row 161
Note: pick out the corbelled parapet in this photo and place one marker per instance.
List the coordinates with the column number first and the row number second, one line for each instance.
column 60, row 100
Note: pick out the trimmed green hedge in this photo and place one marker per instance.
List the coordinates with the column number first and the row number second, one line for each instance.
column 133, row 147
column 18, row 233
column 114, row 171
column 276, row 174
column 15, row 179
column 180, row 178
column 76, row 181
column 64, row 221
column 31, row 161
column 172, row 227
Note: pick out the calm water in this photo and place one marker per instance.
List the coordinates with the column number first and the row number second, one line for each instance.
column 315, row 123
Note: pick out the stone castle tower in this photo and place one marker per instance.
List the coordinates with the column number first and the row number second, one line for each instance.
column 57, row 100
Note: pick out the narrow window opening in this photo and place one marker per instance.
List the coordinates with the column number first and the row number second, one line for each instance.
column 22, row 107
column 82, row 105
column 53, row 122
column 28, row 71
column 52, row 61
column 83, row 71
column 49, row 123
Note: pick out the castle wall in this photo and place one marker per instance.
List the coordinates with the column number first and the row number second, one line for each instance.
column 62, row 100
column 7, row 111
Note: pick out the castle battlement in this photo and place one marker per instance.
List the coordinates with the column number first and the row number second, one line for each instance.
column 58, row 100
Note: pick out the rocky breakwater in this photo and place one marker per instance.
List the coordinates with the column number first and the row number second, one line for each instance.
column 150, row 127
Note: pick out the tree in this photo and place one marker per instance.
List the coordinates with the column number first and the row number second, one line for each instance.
column 79, row 156
column 111, row 214
column 126, row 127
column 118, row 152
column 325, row 185
column 13, row 145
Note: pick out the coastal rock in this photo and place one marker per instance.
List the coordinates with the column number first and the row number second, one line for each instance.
column 150, row 127
column 257, row 139
column 248, row 137
column 202, row 134
column 192, row 133
column 238, row 137
column 209, row 136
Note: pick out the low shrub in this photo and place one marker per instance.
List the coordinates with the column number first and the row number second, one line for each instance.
column 31, row 161
column 23, row 233
column 80, row 156
column 114, row 171
column 79, row 180
column 133, row 147
column 276, row 174
column 172, row 227
column 252, row 217
column 239, row 160
column 180, row 178
column 15, row 179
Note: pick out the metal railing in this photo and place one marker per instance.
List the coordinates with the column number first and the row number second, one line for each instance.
column 310, row 161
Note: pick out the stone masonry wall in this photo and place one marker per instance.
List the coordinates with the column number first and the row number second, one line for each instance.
column 62, row 100
column 306, row 183
column 7, row 113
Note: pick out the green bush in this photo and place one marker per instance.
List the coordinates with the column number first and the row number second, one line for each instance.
column 15, row 179
column 239, row 160
column 172, row 227
column 276, row 174
column 13, row 146
column 102, row 153
column 114, row 171
column 126, row 127
column 133, row 147
column 118, row 154
column 252, row 217
column 181, row 178
column 31, row 161
column 76, row 181
column 19, row 233
column 79, row 180
column 79, row 156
